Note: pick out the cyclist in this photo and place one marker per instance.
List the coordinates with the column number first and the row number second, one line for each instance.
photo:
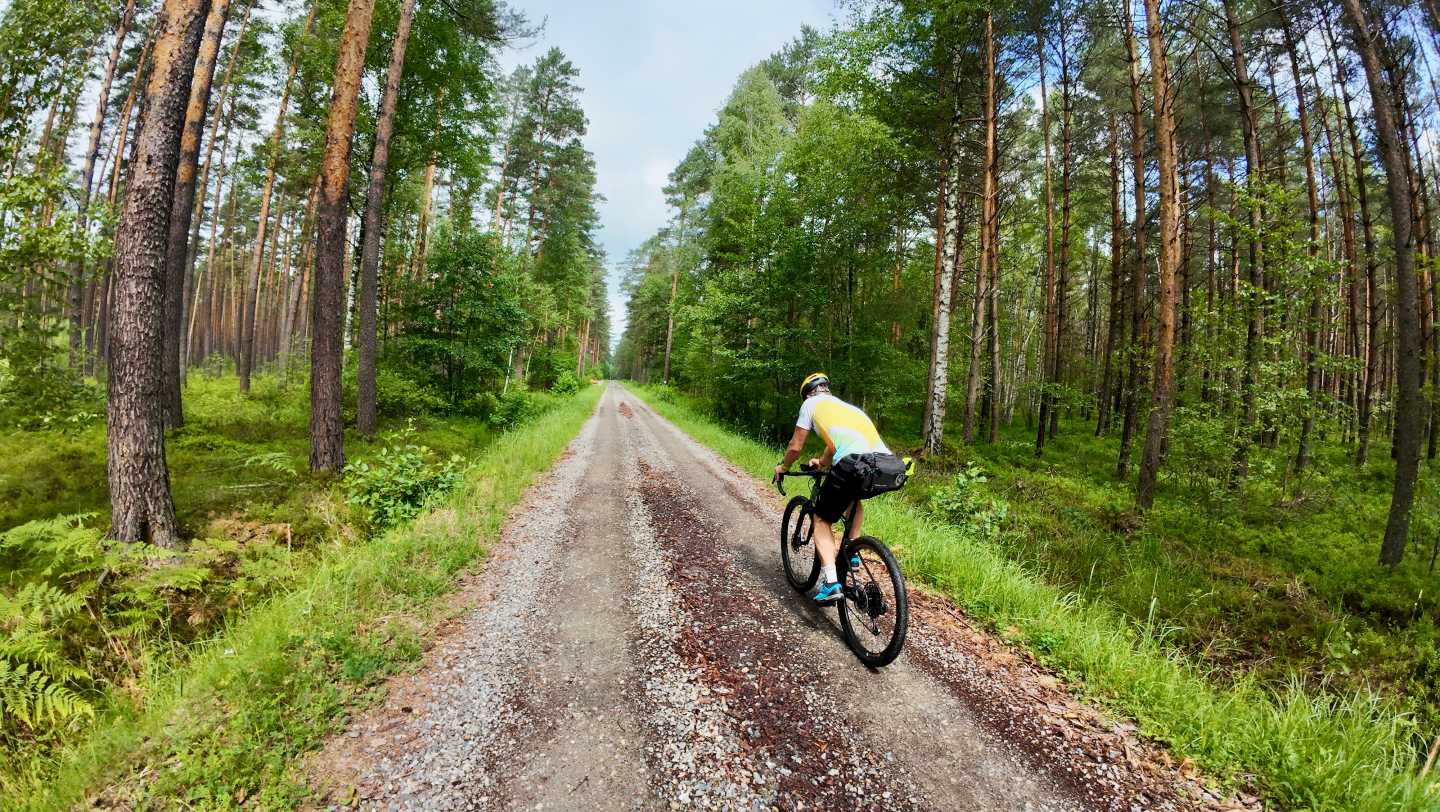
column 860, row 466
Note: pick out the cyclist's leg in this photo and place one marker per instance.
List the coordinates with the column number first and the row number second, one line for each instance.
column 825, row 545
column 852, row 530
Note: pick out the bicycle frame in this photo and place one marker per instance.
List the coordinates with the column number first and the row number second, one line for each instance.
column 846, row 520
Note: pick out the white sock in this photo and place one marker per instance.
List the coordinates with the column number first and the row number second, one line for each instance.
column 827, row 572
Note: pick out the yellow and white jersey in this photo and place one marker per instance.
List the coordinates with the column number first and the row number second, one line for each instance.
column 841, row 425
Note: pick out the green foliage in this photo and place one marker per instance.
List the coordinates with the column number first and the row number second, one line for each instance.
column 516, row 408
column 466, row 319
column 79, row 612
column 230, row 722
column 395, row 484
column 964, row 503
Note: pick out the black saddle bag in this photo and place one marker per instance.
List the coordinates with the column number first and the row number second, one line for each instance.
column 879, row 473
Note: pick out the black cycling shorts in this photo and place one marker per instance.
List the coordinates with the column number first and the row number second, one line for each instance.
column 840, row 489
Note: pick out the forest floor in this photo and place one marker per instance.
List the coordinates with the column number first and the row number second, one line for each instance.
column 236, row 460
column 632, row 644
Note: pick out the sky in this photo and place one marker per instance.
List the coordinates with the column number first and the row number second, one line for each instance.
column 654, row 73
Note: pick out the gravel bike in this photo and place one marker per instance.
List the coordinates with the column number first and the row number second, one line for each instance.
column 875, row 610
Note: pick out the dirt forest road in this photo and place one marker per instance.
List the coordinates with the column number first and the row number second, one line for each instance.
column 632, row 644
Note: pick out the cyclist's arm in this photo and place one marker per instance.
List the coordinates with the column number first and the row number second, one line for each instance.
column 792, row 451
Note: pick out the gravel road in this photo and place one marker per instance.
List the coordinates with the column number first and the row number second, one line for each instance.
column 633, row 645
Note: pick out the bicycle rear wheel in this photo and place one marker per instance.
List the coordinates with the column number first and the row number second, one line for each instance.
column 797, row 545
column 875, row 614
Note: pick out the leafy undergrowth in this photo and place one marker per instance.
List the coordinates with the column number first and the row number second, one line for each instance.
column 1306, row 747
column 1278, row 582
column 97, row 638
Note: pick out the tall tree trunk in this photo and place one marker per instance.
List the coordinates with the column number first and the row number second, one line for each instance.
column 1160, row 399
column 247, row 323
column 1373, row 315
column 1255, row 253
column 87, row 177
column 1115, row 326
column 1139, row 332
column 1312, row 250
column 1067, row 104
column 181, row 208
column 327, row 431
column 947, row 256
column 985, row 249
column 1409, row 409
column 222, row 124
column 140, row 504
column 670, row 320
column 422, row 231
column 1048, row 353
column 365, row 411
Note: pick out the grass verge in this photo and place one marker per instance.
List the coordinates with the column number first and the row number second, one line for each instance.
column 223, row 729
column 1304, row 749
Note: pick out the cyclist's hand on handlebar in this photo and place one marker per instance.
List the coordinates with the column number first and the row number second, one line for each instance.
column 779, row 473
column 813, row 464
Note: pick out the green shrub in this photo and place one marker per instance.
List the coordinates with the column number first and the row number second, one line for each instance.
column 964, row 503
column 398, row 482
column 397, row 395
column 516, row 408
column 566, row 383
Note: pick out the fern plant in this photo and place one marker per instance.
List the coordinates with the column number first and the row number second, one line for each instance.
column 38, row 683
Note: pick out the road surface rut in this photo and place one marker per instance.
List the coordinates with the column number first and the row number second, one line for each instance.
column 633, row 645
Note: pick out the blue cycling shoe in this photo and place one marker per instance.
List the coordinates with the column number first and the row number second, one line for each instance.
column 828, row 593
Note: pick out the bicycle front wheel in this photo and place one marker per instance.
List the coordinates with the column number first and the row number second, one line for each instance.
column 797, row 545
column 876, row 611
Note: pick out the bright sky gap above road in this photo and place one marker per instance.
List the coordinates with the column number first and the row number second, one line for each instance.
column 654, row 73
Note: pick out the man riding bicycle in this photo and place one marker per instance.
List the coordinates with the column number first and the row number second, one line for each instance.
column 860, row 466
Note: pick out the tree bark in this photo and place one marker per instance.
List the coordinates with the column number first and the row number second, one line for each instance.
column 140, row 503
column 182, row 207
column 1067, row 101
column 1050, row 324
column 947, row 257
column 1139, row 332
column 327, row 431
column 1312, row 250
column 985, row 249
column 1409, row 409
column 1115, row 326
column 366, row 418
column 1160, row 399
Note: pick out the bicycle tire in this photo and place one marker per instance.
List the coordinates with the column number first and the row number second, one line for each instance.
column 798, row 520
column 899, row 599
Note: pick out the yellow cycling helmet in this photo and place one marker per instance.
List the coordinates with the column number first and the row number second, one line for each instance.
column 813, row 381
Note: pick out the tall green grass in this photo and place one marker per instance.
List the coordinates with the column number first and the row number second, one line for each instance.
column 1305, row 750
column 225, row 728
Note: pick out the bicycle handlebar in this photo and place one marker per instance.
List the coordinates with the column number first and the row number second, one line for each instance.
column 805, row 470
